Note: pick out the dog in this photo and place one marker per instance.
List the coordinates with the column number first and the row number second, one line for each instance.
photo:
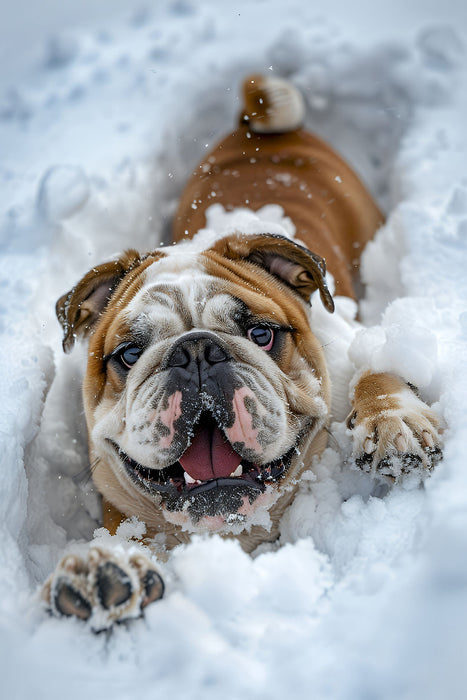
column 206, row 392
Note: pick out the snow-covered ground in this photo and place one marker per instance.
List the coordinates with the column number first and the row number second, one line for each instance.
column 103, row 111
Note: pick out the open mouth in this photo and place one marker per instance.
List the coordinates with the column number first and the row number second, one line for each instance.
column 209, row 462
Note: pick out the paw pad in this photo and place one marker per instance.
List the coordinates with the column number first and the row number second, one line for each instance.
column 113, row 585
column 153, row 587
column 102, row 587
column 68, row 601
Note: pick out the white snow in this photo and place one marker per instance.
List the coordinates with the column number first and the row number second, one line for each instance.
column 103, row 112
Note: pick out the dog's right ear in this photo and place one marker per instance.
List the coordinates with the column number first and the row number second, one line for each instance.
column 79, row 310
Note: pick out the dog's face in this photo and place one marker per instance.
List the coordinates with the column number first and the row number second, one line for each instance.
column 204, row 381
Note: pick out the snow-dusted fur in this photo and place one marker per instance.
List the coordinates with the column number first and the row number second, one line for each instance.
column 365, row 594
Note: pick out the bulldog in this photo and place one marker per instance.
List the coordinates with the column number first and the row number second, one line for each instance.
column 206, row 392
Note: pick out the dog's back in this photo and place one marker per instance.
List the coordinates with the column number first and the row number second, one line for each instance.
column 269, row 158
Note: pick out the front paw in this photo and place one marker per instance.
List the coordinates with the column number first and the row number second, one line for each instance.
column 394, row 433
column 102, row 587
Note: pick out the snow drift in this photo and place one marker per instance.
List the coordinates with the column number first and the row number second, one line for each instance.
column 365, row 595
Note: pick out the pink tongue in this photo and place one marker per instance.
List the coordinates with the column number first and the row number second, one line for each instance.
column 209, row 456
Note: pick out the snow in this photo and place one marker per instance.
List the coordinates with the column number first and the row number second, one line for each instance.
column 103, row 112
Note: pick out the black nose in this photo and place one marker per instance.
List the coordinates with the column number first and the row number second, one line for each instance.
column 197, row 348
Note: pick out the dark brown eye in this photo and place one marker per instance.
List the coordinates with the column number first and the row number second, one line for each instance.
column 262, row 336
column 127, row 354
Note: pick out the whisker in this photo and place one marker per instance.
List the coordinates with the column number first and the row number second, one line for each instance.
column 84, row 476
column 329, row 343
column 94, row 464
column 332, row 439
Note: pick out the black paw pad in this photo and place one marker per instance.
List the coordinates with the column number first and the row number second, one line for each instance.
column 68, row 601
column 364, row 462
column 153, row 587
column 410, row 462
column 435, row 454
column 113, row 585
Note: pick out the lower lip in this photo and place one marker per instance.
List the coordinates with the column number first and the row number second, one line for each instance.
column 218, row 483
column 196, row 489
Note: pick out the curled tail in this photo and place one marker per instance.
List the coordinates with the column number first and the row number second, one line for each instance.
column 271, row 105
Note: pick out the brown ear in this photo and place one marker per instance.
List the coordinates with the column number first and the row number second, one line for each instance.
column 79, row 310
column 294, row 264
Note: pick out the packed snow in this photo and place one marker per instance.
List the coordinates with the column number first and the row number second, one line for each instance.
column 102, row 117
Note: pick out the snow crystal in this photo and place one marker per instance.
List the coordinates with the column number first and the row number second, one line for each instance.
column 364, row 594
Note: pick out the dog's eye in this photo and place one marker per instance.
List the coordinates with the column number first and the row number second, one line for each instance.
column 263, row 336
column 127, row 354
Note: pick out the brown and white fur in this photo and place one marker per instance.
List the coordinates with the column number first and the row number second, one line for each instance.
column 206, row 391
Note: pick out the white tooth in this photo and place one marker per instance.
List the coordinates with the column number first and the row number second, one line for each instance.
column 238, row 471
column 189, row 479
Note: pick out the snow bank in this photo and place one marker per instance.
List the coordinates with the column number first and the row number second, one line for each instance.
column 365, row 595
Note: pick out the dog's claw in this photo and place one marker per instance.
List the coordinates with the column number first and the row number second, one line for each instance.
column 427, row 439
column 401, row 443
column 369, row 446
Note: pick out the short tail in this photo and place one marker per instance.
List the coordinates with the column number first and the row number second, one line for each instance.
column 272, row 105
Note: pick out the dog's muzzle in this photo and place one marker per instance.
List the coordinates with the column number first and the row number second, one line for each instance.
column 212, row 434
column 199, row 363
column 199, row 366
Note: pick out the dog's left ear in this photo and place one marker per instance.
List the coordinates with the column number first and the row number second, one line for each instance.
column 294, row 264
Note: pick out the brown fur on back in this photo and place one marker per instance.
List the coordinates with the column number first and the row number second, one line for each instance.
column 333, row 213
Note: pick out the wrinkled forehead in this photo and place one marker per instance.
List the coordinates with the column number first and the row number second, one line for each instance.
column 179, row 288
